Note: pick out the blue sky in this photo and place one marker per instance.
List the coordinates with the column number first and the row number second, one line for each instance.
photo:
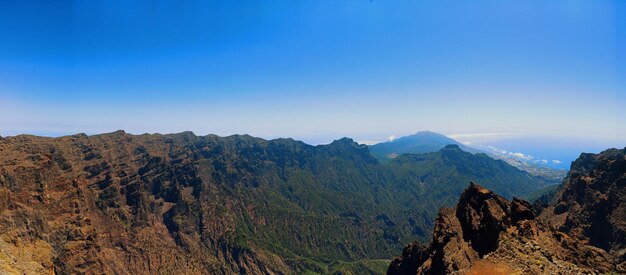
column 315, row 70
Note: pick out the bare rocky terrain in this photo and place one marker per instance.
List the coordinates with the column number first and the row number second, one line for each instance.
column 582, row 233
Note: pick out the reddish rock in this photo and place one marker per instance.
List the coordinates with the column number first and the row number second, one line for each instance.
column 591, row 204
column 486, row 233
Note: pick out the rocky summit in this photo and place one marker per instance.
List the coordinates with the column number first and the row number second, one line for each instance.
column 590, row 206
column 488, row 234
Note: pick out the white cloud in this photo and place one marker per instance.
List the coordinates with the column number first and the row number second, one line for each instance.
column 391, row 138
column 556, row 161
column 521, row 155
column 368, row 142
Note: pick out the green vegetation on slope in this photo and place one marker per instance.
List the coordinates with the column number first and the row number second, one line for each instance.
column 276, row 203
column 544, row 195
column 336, row 202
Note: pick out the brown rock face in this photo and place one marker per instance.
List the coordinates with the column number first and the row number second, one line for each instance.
column 116, row 204
column 591, row 204
column 482, row 215
column 487, row 234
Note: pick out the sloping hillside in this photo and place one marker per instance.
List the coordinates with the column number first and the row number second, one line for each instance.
column 120, row 203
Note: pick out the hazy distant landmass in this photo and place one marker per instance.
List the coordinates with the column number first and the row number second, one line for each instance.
column 420, row 142
column 427, row 141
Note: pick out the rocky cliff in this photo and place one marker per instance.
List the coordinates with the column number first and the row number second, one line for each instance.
column 487, row 234
column 116, row 204
column 591, row 203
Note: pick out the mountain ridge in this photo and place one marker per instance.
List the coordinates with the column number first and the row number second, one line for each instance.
column 420, row 142
column 428, row 141
column 237, row 203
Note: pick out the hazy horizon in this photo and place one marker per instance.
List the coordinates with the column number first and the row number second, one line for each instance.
column 552, row 151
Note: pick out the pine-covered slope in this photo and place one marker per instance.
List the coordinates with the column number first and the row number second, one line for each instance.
column 443, row 173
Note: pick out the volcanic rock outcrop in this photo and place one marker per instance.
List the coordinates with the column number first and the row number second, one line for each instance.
column 487, row 234
column 591, row 203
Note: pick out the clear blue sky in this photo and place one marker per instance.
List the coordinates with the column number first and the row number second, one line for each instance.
column 314, row 70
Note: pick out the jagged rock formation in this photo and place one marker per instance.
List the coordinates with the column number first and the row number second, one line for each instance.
column 591, row 203
column 487, row 234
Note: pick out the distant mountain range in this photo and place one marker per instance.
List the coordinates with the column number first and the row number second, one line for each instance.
column 418, row 143
column 121, row 203
column 427, row 141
